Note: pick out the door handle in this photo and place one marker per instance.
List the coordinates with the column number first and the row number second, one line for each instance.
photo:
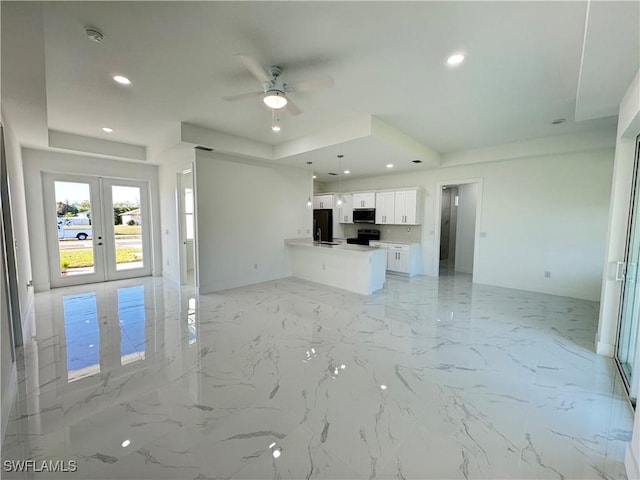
column 620, row 271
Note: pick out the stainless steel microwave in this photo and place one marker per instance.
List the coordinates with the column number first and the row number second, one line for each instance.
column 364, row 215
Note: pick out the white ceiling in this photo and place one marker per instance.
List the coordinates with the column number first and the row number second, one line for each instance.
column 527, row 64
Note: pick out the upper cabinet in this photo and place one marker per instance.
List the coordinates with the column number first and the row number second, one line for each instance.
column 364, row 200
column 406, row 207
column 346, row 211
column 385, row 208
column 322, row 201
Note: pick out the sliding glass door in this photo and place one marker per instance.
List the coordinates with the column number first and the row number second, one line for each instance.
column 97, row 229
column 627, row 355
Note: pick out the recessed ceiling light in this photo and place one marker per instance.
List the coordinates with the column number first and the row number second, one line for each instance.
column 455, row 59
column 347, row 172
column 314, row 177
column 107, row 129
column 276, row 452
column 122, row 80
column 558, row 121
column 383, row 387
column 389, row 165
column 126, row 443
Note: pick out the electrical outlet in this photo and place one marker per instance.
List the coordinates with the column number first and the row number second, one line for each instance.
column 408, row 229
column 483, row 234
column 547, row 274
column 324, row 267
column 255, row 266
column 298, row 231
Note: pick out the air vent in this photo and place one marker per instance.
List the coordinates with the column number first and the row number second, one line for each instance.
column 416, row 161
column 334, row 174
column 205, row 149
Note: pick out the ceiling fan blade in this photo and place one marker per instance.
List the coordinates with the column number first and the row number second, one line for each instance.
column 242, row 96
column 257, row 70
column 310, row 85
column 292, row 108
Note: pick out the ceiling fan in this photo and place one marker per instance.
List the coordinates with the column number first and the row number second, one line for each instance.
column 274, row 90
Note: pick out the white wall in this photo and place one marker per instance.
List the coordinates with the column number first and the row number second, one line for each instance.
column 173, row 161
column 245, row 210
column 466, row 228
column 8, row 366
column 543, row 213
column 38, row 161
column 15, row 175
column 21, row 234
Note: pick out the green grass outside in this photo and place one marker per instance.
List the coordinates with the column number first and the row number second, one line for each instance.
column 83, row 257
column 119, row 229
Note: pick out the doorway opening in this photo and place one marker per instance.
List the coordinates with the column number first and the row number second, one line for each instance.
column 187, row 228
column 457, row 219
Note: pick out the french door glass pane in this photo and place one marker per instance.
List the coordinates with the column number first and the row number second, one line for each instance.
column 75, row 238
column 82, row 334
column 127, row 223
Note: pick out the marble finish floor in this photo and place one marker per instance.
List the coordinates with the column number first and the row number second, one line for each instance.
column 429, row 378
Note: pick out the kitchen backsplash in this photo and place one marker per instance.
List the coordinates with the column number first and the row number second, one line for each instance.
column 388, row 233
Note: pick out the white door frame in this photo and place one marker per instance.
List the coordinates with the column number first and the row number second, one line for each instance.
column 180, row 216
column 102, row 229
column 438, row 219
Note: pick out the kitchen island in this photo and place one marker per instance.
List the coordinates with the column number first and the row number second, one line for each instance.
column 356, row 268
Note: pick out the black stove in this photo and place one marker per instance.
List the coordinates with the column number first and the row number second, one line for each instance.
column 364, row 235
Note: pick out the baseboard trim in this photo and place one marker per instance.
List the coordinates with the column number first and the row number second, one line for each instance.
column 631, row 464
column 605, row 349
column 8, row 398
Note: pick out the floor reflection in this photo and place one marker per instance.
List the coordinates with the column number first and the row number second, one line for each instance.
column 83, row 335
column 132, row 318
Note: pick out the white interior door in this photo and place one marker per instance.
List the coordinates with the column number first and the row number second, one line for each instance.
column 98, row 229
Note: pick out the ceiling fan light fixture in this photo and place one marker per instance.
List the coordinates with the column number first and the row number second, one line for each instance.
column 455, row 59
column 275, row 99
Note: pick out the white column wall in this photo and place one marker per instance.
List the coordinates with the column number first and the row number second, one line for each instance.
column 245, row 210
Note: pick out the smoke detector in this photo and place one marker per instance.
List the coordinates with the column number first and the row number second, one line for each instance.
column 94, row 34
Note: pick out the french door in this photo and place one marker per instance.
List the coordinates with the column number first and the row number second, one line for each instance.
column 98, row 229
column 627, row 354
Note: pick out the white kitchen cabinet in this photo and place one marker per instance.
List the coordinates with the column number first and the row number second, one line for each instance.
column 322, row 201
column 398, row 257
column 402, row 258
column 406, row 207
column 385, row 208
column 364, row 200
column 346, row 211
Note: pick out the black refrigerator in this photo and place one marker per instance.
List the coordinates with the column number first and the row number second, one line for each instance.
column 323, row 225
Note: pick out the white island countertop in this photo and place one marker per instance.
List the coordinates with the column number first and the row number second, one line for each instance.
column 358, row 268
column 307, row 242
